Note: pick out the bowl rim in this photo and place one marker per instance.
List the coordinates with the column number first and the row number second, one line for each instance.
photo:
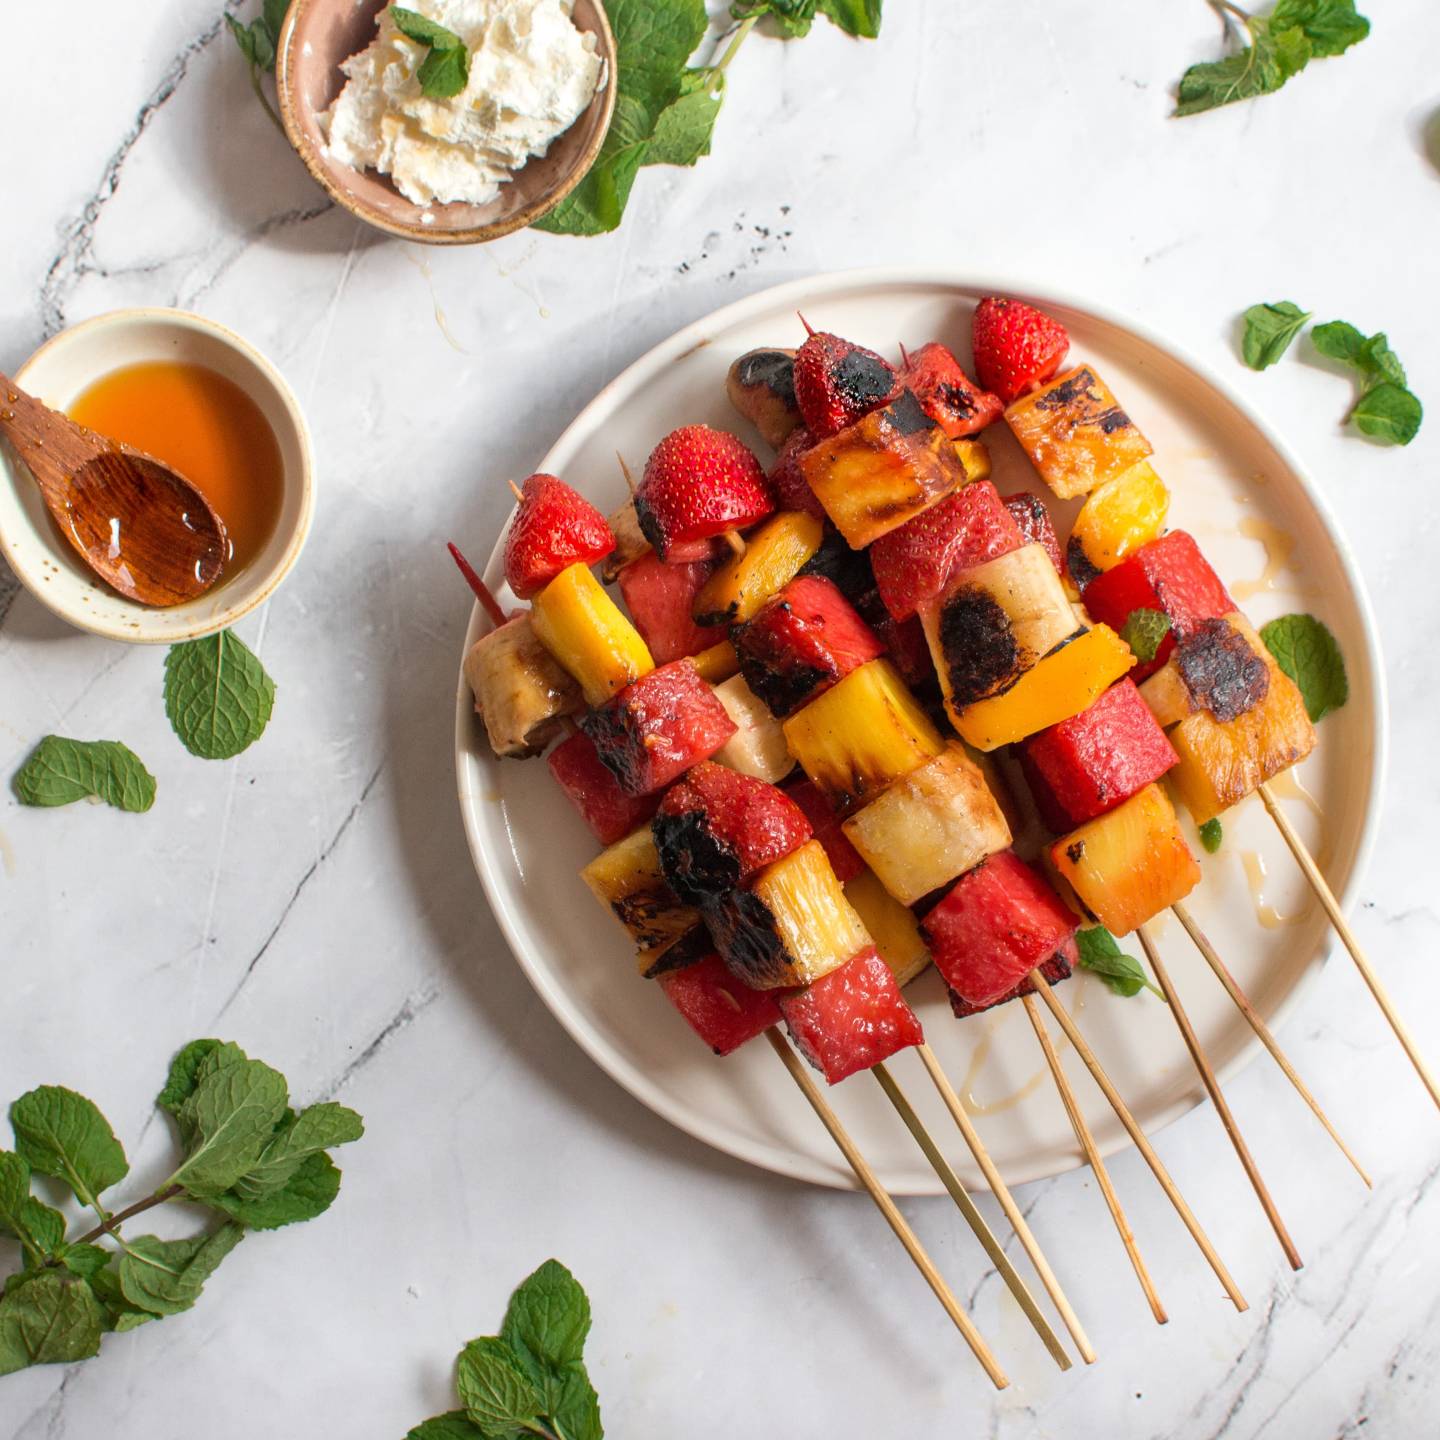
column 805, row 290
column 82, row 617
column 427, row 235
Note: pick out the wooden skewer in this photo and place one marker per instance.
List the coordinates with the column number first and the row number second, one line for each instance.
column 1217, row 1096
column 625, row 471
column 1093, row 1159
column 1331, row 905
column 481, row 589
column 1001, row 1192
column 516, row 491
column 887, row 1208
column 735, row 540
column 967, row 1207
column 1142, row 1143
column 1262, row 1031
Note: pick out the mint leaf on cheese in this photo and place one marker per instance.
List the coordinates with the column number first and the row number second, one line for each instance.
column 445, row 71
column 217, row 695
column 61, row 771
column 1309, row 654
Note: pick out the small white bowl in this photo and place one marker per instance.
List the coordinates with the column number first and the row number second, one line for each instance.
column 58, row 373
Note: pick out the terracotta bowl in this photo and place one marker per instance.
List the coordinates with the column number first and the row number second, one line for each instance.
column 318, row 35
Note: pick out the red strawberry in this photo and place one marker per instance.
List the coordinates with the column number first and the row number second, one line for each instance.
column 699, row 483
column 1032, row 515
column 553, row 529
column 946, row 393
column 837, row 382
column 1017, row 347
column 787, row 480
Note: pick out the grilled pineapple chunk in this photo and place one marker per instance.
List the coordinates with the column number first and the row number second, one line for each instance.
column 1221, row 762
column 996, row 620
column 930, row 826
column 774, row 554
column 758, row 745
column 1075, row 433
column 717, row 663
column 894, row 929
column 628, row 880
column 1130, row 863
column 862, row 734
column 582, row 627
column 520, row 692
column 1116, row 519
column 792, row 926
column 974, row 458
column 876, row 474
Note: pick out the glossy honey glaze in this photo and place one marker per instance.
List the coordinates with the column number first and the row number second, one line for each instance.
column 207, row 428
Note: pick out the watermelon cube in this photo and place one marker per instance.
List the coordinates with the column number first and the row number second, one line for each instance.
column 1060, row 966
column 998, row 922
column 1170, row 575
column 594, row 792
column 658, row 727
column 661, row 598
column 717, row 829
column 1091, row 762
column 914, row 563
column 1032, row 515
column 800, row 642
column 852, row 1018
column 825, row 823
column 946, row 393
column 723, row 1011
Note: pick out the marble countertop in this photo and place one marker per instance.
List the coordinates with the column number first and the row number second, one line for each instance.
column 314, row 900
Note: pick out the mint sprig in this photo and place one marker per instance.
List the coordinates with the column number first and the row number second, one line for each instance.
column 1273, row 49
column 1100, row 955
column 793, row 18
column 60, row 771
column 259, row 43
column 1212, row 835
column 244, row 1147
column 1309, row 654
column 217, row 695
column 445, row 71
column 1269, row 331
column 1386, row 410
column 530, row 1379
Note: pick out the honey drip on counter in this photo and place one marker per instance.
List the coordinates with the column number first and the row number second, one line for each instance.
column 1279, row 545
column 205, row 427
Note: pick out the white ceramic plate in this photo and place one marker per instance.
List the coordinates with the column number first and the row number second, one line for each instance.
column 1266, row 528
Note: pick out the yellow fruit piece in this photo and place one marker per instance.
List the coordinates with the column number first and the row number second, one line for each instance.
column 1129, row 864
column 1061, row 685
column 717, row 663
column 930, row 826
column 626, row 878
column 1221, row 762
column 974, row 458
column 774, row 553
column 1167, row 695
column 1075, row 433
column 757, row 748
column 882, row 471
column 1120, row 516
column 816, row 925
column 893, row 928
column 582, row 627
column 862, row 735
column 520, row 691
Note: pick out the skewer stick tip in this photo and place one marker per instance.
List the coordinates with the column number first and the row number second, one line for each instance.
column 515, row 490
column 625, row 471
column 473, row 580
column 736, row 541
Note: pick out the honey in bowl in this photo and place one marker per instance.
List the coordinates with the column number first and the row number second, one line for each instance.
column 205, row 427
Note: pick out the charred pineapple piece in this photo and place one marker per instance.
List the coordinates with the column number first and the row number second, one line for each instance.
column 1220, row 666
column 1076, row 434
column 775, row 553
column 1116, row 519
column 930, row 826
column 761, row 386
column 582, row 627
column 687, row 949
column 892, row 926
column 996, row 620
column 974, row 458
column 791, row 927
column 627, row 879
column 1223, row 761
column 862, row 734
column 1129, row 864
column 757, row 748
column 521, row 693
column 876, row 474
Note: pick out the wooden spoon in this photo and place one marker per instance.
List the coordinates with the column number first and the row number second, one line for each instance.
column 140, row 526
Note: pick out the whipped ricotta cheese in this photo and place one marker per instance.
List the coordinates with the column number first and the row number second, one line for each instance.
column 532, row 73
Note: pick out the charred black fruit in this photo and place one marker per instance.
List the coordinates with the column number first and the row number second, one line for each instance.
column 1220, row 670
column 980, row 649
column 693, row 945
column 1077, row 562
column 699, row 866
column 746, row 936
column 761, row 386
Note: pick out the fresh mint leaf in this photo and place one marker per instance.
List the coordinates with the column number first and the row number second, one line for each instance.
column 653, row 43
column 61, row 771
column 309, row 1192
column 498, row 1395
column 183, row 1077
column 445, row 71
column 86, row 1261
column 230, row 1117
column 63, row 1134
column 1269, row 329
column 1260, row 68
column 1144, row 631
column 683, row 133
column 1309, row 654
column 548, row 1318
column 423, row 30
column 1211, row 835
column 119, row 1314
column 259, row 41
column 1389, row 413
column 43, row 1226
column 1100, row 955
column 14, row 1190
column 1379, row 360
column 1339, row 340
column 453, row 1425
column 52, row 1320
column 217, row 695
column 860, row 18
column 1331, row 26
column 165, row 1277
column 313, row 1131
column 577, row 1412
column 792, row 18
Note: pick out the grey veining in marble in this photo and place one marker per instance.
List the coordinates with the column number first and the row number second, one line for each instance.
column 313, row 899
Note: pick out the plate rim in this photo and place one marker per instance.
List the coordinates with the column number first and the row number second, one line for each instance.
column 812, row 289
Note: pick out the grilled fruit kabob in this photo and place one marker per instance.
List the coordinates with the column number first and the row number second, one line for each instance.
column 657, row 725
